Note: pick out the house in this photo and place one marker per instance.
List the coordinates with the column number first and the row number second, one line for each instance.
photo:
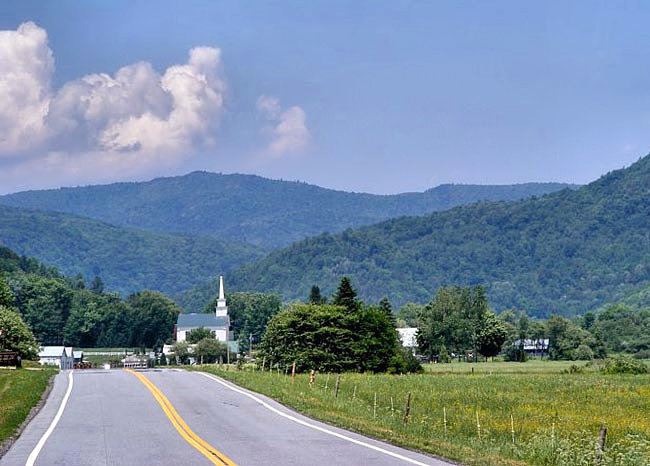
column 59, row 356
column 534, row 346
column 407, row 337
column 218, row 322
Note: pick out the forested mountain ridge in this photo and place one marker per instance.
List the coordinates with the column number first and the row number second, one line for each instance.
column 248, row 208
column 127, row 260
column 566, row 252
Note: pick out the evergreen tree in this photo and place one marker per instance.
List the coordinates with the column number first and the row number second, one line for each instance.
column 387, row 308
column 315, row 297
column 97, row 285
column 346, row 296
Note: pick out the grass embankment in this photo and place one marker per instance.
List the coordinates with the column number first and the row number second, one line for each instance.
column 556, row 416
column 20, row 391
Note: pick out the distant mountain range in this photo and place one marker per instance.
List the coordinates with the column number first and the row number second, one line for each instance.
column 246, row 208
column 126, row 259
column 565, row 252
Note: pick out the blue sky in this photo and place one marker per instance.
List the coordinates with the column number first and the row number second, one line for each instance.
column 366, row 96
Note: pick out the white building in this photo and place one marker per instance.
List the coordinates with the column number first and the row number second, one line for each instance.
column 407, row 337
column 219, row 322
column 56, row 356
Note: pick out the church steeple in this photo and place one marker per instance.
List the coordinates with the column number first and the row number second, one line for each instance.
column 222, row 308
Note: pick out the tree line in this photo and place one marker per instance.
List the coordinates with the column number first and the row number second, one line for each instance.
column 61, row 310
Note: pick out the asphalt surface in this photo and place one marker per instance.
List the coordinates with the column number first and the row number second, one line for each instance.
column 112, row 418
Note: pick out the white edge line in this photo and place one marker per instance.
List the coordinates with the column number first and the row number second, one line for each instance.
column 37, row 449
column 312, row 426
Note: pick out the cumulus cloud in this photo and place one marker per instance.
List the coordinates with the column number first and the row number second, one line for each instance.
column 102, row 125
column 288, row 133
column 26, row 66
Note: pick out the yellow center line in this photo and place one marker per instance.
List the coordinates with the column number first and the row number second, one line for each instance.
column 214, row 455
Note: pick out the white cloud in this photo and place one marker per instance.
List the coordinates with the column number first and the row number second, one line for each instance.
column 100, row 126
column 26, row 66
column 289, row 133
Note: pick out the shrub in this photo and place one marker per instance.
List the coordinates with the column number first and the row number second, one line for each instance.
column 624, row 365
column 583, row 353
column 404, row 362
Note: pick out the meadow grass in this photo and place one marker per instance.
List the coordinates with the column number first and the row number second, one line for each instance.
column 556, row 415
column 20, row 391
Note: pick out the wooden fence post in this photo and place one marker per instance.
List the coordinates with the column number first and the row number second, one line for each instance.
column 311, row 378
column 601, row 443
column 293, row 372
column 407, row 409
column 336, row 386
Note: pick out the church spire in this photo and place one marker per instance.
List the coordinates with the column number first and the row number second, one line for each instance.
column 222, row 307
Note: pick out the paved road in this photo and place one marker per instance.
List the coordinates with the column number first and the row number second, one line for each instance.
column 168, row 417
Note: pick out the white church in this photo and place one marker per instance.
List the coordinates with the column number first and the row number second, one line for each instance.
column 218, row 322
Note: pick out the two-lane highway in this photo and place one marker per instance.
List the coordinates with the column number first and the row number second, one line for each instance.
column 170, row 417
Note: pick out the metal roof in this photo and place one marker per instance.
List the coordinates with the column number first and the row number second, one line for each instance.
column 202, row 320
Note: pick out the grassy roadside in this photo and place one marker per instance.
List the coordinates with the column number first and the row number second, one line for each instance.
column 556, row 415
column 20, row 391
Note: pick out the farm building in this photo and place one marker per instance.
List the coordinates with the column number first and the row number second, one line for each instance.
column 407, row 337
column 59, row 356
column 537, row 347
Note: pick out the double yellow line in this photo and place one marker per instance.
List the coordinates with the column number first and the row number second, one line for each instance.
column 211, row 453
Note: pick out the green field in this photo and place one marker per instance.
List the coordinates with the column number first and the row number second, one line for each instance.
column 557, row 415
column 20, row 391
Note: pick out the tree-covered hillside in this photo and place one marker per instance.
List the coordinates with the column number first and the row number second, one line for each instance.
column 246, row 208
column 127, row 260
column 565, row 253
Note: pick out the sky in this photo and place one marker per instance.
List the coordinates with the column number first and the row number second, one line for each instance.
column 372, row 96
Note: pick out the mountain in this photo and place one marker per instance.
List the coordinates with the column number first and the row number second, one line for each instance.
column 565, row 252
column 126, row 259
column 247, row 208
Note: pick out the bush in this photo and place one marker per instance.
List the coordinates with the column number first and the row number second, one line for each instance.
column 624, row 365
column 515, row 354
column 404, row 362
column 583, row 353
column 643, row 354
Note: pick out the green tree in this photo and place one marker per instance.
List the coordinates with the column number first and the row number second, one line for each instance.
column 6, row 296
column 97, row 285
column 15, row 335
column 198, row 334
column 452, row 321
column 408, row 314
column 315, row 296
column 44, row 304
column 491, row 336
column 154, row 316
column 387, row 308
column 327, row 338
column 346, row 296
column 181, row 351
column 208, row 350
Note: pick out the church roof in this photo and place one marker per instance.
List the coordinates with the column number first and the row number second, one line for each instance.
column 201, row 320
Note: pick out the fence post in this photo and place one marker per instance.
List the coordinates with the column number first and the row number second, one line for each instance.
column 444, row 417
column 293, row 372
column 336, row 386
column 354, row 393
column 407, row 409
column 512, row 427
column 601, row 443
column 311, row 378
